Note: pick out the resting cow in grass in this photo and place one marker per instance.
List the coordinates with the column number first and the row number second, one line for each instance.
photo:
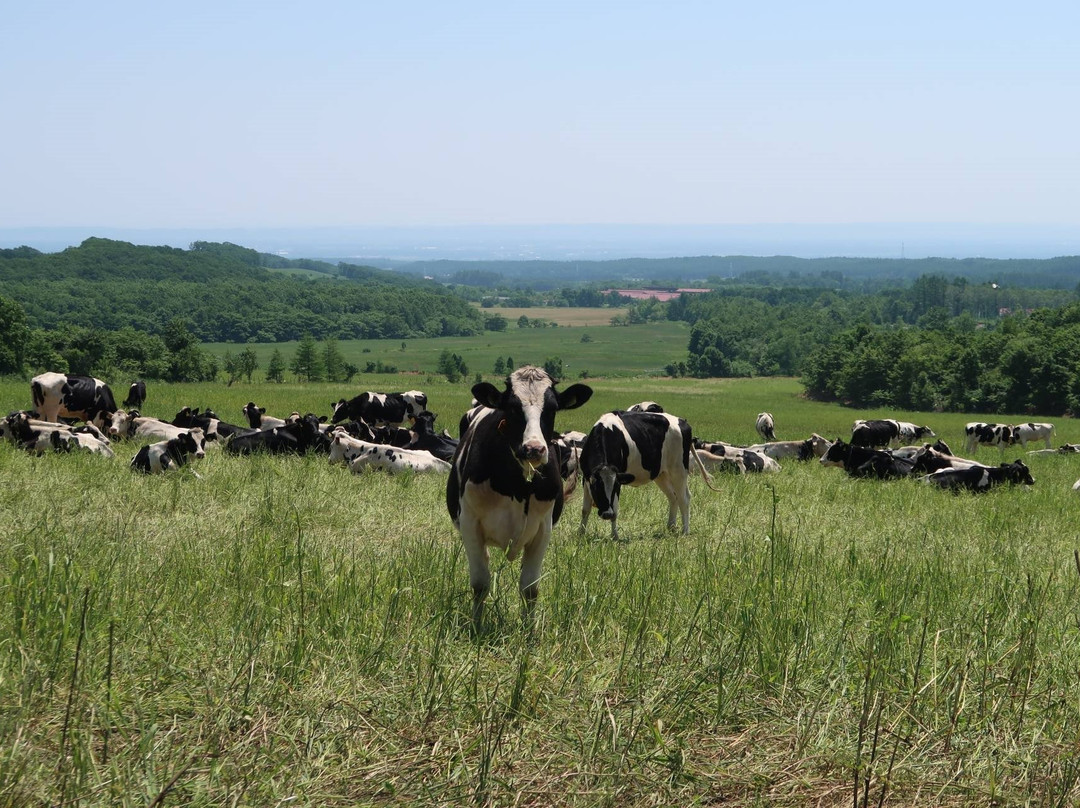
column 170, row 454
column 981, row 478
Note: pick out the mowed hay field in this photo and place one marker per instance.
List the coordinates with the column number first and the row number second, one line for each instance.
column 282, row 632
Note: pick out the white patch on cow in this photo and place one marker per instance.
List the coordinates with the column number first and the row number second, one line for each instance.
column 530, row 385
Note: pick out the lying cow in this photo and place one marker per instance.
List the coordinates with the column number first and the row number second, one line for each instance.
column 981, row 478
column 258, row 419
column 765, row 427
column 170, row 454
column 36, row 436
column 295, row 437
column 359, row 455
column 978, row 433
column 425, row 438
column 645, row 406
column 737, row 459
column 81, row 397
column 636, row 448
column 861, row 461
column 131, row 424
column 1065, row 448
column 77, row 439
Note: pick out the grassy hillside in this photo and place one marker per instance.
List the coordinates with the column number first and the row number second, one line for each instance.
column 612, row 351
column 283, row 632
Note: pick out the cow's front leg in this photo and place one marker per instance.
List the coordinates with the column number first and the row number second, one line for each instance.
column 586, row 504
column 479, row 571
column 532, row 558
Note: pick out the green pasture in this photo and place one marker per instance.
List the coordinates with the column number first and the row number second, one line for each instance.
column 282, row 632
column 612, row 351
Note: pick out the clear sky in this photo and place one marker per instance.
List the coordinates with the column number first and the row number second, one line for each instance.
column 270, row 114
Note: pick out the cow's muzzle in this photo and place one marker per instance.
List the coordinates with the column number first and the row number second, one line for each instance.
column 608, row 514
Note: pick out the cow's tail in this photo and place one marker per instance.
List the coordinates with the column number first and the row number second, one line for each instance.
column 38, row 394
column 704, row 473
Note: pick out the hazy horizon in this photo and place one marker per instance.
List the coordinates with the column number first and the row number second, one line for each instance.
column 592, row 242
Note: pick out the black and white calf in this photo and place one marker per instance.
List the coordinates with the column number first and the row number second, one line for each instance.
column 170, row 454
column 635, row 448
column 978, row 433
column 392, row 409
column 504, row 488
column 136, row 396
column 82, row 397
column 981, row 478
column 765, row 426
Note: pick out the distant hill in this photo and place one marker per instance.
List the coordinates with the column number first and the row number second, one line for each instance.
column 226, row 293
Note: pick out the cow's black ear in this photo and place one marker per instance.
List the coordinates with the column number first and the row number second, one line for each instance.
column 322, row 419
column 262, row 410
column 574, row 396
column 624, row 479
column 487, row 394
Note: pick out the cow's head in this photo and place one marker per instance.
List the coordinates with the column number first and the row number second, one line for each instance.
column 1017, row 473
column 192, row 443
column 605, row 483
column 527, row 410
column 836, row 454
column 121, row 423
column 254, row 414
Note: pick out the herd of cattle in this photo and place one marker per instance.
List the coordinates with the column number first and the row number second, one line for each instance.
column 510, row 472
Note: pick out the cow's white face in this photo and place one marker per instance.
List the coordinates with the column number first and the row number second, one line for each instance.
column 604, row 487
column 119, row 423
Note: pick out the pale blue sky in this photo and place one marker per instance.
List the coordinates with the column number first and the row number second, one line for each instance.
column 263, row 114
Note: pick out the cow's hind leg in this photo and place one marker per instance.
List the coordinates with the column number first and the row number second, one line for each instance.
column 586, row 504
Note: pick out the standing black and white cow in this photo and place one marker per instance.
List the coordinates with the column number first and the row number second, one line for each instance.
column 136, row 395
column 392, row 409
column 978, row 433
column 171, row 453
column 635, row 448
column 1022, row 433
column 82, row 397
column 504, row 488
column 765, row 426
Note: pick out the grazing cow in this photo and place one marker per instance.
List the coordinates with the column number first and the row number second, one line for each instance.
column 136, row 396
column 764, row 426
column 735, row 459
column 425, row 437
column 875, row 433
column 295, row 437
column 82, row 397
column 504, row 488
column 258, row 419
column 977, row 433
column 862, row 461
column 645, row 406
column 1022, row 433
column 981, row 478
column 913, row 432
column 171, row 453
column 391, row 409
column 359, row 455
column 635, row 448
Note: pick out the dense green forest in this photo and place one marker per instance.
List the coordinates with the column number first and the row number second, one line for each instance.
column 224, row 293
